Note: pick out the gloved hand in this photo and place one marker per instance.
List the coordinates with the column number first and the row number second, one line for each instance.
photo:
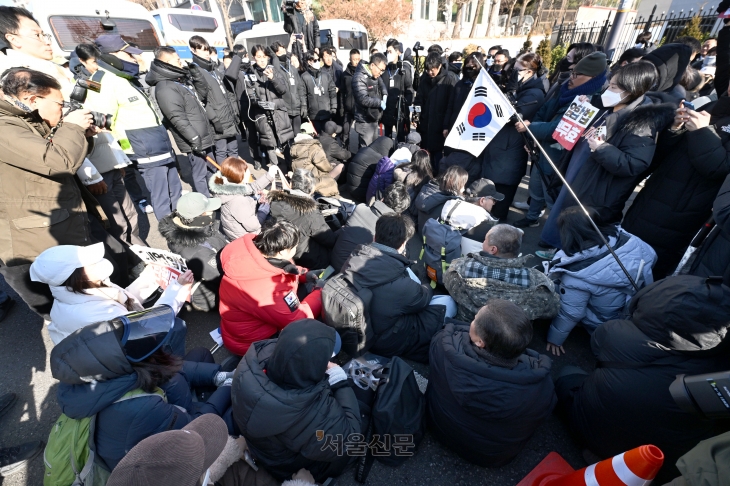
column 303, row 112
column 196, row 145
column 218, row 127
column 335, row 374
column 267, row 105
column 312, row 276
column 382, row 105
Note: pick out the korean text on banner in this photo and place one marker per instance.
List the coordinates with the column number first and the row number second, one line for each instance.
column 484, row 113
column 574, row 123
column 167, row 266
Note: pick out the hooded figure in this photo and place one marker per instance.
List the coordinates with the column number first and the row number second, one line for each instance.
column 284, row 396
column 430, row 201
column 671, row 61
column 678, row 326
column 686, row 174
column 362, row 166
column 95, row 374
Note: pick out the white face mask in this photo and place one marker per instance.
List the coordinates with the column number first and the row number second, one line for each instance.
column 316, row 65
column 99, row 271
column 392, row 57
column 490, row 61
column 611, row 98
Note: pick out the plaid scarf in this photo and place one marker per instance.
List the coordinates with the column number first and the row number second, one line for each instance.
column 515, row 276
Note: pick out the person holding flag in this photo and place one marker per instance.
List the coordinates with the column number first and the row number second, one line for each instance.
column 505, row 161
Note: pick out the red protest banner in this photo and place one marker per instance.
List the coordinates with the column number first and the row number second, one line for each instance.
column 574, row 122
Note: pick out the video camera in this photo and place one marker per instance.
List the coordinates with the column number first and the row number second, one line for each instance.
column 78, row 97
column 707, row 395
column 288, row 5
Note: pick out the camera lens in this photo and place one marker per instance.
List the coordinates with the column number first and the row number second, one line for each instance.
column 101, row 120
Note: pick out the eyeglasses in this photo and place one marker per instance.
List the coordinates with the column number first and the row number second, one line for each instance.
column 575, row 75
column 39, row 36
column 62, row 104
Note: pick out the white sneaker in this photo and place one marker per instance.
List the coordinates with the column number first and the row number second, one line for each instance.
column 145, row 206
column 521, row 205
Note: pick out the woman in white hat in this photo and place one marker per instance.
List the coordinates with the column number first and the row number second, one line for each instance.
column 79, row 280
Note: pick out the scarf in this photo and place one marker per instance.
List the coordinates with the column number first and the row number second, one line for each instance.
column 588, row 88
column 205, row 64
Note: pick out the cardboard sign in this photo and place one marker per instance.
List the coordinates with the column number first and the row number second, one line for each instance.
column 574, row 122
column 164, row 265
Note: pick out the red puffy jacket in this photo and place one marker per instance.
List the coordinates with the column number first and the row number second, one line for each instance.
column 252, row 294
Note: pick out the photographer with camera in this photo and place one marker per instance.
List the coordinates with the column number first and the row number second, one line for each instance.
column 398, row 79
column 300, row 20
column 134, row 121
column 268, row 108
column 40, row 202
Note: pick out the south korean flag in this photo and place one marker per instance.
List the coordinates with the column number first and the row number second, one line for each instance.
column 484, row 113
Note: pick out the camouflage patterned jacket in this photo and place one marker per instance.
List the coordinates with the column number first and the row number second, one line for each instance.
column 539, row 300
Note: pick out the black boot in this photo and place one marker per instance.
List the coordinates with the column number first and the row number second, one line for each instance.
column 13, row 458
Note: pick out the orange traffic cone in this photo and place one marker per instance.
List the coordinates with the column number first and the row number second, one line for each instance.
column 637, row 467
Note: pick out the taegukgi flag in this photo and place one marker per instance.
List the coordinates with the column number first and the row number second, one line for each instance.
column 484, row 113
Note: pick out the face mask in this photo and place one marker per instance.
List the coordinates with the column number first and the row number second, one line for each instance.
column 130, row 68
column 490, row 61
column 611, row 98
column 282, row 58
column 457, row 65
column 246, row 60
column 470, row 72
column 522, row 75
column 99, row 271
column 392, row 58
column 316, row 65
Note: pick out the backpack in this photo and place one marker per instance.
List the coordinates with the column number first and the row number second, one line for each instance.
column 397, row 417
column 382, row 178
column 346, row 307
column 70, row 454
column 441, row 245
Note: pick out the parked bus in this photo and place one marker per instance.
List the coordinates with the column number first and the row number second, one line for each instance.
column 74, row 22
column 339, row 33
column 178, row 25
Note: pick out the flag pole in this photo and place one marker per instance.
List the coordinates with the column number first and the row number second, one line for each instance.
column 572, row 193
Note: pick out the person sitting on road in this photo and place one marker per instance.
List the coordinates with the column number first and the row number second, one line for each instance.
column 499, row 272
column 335, row 152
column 359, row 228
column 287, row 394
column 307, row 153
column 474, row 218
column 434, row 195
column 405, row 314
column 316, row 239
column 192, row 232
column 122, row 371
column 487, row 392
column 259, row 294
column 593, row 287
column 82, row 293
column 241, row 212
column 414, row 175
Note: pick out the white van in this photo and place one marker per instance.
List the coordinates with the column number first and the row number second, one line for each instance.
column 73, row 22
column 340, row 33
column 178, row 25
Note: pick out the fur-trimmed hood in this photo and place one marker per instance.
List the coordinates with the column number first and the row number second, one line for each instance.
column 183, row 237
column 229, row 188
column 649, row 116
column 301, row 204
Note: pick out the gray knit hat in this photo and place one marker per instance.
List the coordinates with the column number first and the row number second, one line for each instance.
column 592, row 65
column 174, row 457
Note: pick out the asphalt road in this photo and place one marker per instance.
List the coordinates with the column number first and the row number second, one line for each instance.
column 25, row 370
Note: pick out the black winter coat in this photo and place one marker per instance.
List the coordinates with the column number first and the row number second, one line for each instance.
column 296, row 92
column 429, row 203
column 611, row 173
column 295, row 23
column 505, row 160
column 368, row 93
column 626, row 402
column 714, row 255
column 456, row 101
column 316, row 239
column 402, row 83
column 345, row 97
column 433, row 97
column 335, row 152
column 183, row 114
column 402, row 319
column 281, row 399
column 358, row 230
column 671, row 61
column 321, row 94
column 334, row 71
column 272, row 90
column 484, row 412
column 677, row 199
column 362, row 166
column 218, row 106
column 200, row 248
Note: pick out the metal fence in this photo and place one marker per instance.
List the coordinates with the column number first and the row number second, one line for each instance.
column 664, row 28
